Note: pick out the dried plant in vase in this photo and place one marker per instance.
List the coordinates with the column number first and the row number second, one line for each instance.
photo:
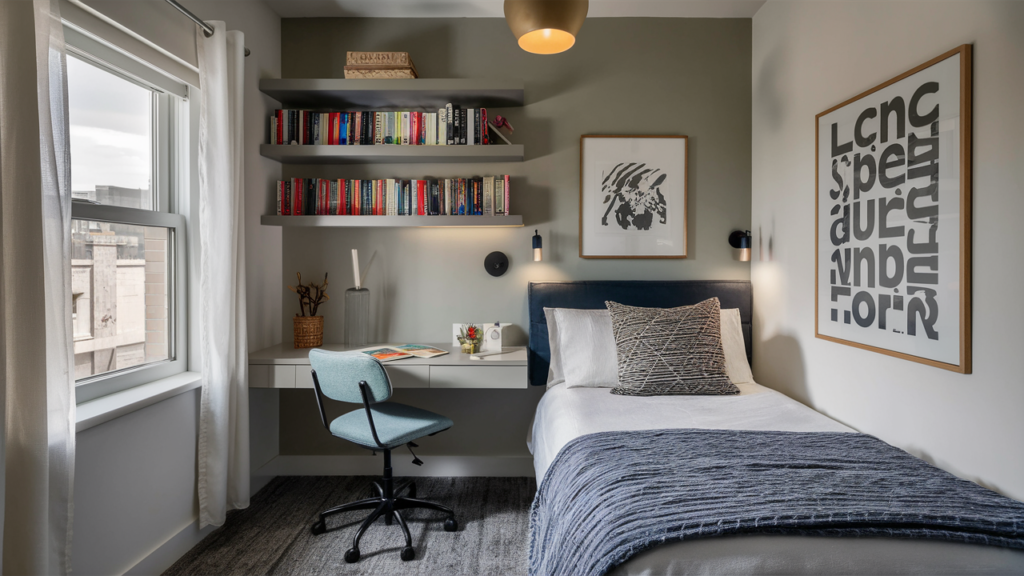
column 309, row 329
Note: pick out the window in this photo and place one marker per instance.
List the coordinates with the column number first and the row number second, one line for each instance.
column 127, row 265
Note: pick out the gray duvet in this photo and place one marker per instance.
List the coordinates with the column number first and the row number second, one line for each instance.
column 610, row 496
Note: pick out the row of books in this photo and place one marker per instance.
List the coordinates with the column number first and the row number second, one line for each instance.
column 479, row 196
column 449, row 126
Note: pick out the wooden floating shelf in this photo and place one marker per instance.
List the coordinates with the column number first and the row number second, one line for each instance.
column 414, row 94
column 390, row 154
column 392, row 221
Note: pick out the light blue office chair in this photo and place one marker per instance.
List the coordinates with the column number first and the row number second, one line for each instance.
column 356, row 377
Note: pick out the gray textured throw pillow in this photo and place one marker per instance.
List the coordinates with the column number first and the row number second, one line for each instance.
column 665, row 351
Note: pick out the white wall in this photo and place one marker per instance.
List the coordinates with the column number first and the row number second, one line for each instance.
column 807, row 57
column 135, row 488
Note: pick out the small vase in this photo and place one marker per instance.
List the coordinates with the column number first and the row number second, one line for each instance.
column 469, row 348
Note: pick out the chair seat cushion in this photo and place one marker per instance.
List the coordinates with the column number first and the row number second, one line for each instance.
column 396, row 424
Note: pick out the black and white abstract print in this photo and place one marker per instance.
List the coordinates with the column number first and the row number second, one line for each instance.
column 632, row 196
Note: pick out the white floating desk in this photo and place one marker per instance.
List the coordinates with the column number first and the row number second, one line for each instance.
column 283, row 366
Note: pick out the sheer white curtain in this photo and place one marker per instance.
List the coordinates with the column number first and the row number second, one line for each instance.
column 36, row 383
column 224, row 416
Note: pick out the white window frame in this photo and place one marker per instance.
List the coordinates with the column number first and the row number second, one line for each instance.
column 173, row 132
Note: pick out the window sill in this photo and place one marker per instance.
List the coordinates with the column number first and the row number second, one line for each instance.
column 106, row 408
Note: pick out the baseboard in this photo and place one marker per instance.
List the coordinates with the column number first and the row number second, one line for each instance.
column 159, row 560
column 503, row 466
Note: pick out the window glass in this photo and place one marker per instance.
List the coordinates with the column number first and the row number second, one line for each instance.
column 111, row 122
column 120, row 289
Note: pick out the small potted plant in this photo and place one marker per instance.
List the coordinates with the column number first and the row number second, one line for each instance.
column 470, row 337
column 309, row 329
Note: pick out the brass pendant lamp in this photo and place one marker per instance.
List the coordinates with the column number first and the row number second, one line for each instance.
column 546, row 26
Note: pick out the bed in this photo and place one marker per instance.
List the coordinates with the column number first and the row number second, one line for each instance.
column 567, row 417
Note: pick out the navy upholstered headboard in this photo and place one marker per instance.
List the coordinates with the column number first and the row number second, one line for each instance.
column 592, row 294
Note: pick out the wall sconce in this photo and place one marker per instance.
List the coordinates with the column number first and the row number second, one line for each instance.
column 496, row 263
column 740, row 239
column 538, row 253
column 546, row 26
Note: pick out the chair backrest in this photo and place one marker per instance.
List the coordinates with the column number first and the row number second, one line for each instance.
column 339, row 374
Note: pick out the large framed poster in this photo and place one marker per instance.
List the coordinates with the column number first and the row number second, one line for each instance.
column 633, row 196
column 893, row 216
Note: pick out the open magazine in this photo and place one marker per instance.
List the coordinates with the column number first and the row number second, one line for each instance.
column 391, row 353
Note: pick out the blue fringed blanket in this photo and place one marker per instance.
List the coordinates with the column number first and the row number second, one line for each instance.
column 609, row 496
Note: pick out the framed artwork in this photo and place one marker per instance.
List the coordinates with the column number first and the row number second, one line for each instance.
column 633, row 196
column 893, row 216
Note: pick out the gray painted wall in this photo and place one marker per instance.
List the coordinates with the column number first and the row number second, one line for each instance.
column 808, row 57
column 624, row 76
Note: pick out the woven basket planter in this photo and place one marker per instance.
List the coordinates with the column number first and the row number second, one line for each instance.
column 309, row 331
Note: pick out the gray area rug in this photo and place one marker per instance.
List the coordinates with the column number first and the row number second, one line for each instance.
column 272, row 536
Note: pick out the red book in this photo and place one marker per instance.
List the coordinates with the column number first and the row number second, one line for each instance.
column 380, row 197
column 483, row 126
column 414, row 129
column 420, row 197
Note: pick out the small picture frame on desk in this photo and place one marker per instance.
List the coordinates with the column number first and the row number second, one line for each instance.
column 492, row 334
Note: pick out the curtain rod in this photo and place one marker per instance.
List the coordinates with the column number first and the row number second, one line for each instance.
column 207, row 29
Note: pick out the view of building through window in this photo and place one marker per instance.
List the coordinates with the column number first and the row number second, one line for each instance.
column 120, row 272
column 119, row 290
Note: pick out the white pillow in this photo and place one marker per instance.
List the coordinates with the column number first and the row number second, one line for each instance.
column 590, row 364
column 736, row 365
column 555, row 365
column 587, row 348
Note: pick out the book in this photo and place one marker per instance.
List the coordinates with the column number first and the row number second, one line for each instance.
column 399, row 352
column 470, row 128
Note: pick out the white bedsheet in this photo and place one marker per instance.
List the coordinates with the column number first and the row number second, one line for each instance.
column 568, row 413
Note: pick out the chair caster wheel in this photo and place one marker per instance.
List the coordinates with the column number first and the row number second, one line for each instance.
column 319, row 527
column 388, row 519
column 352, row 556
column 412, row 490
column 451, row 525
column 408, row 554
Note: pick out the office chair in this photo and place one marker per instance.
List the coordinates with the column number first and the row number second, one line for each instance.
column 356, row 377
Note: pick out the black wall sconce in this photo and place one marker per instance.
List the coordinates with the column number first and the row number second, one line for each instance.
column 740, row 239
column 496, row 263
column 538, row 252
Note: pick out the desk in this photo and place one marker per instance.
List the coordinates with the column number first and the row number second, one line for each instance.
column 283, row 366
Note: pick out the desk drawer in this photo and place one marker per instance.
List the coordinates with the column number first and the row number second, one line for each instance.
column 272, row 376
column 478, row 376
column 409, row 376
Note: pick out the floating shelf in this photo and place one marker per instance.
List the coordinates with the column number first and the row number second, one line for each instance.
column 415, row 94
column 391, row 221
column 388, row 154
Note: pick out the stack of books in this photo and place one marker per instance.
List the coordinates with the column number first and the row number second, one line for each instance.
column 477, row 196
column 449, row 126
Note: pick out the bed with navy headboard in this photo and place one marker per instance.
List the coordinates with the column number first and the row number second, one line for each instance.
column 592, row 294
column 741, row 484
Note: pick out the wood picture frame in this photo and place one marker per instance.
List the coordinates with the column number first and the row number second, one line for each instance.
column 651, row 221
column 931, row 105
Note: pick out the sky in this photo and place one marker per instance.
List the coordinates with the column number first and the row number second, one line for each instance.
column 111, row 129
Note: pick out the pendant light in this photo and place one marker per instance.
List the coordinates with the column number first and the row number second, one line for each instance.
column 546, row 26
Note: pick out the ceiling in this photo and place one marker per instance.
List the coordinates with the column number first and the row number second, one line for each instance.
column 493, row 8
